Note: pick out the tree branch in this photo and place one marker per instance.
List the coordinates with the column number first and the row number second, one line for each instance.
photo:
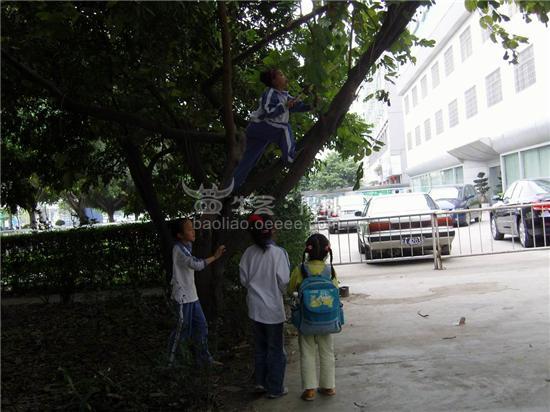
column 103, row 113
column 157, row 157
column 227, row 95
column 266, row 40
column 395, row 22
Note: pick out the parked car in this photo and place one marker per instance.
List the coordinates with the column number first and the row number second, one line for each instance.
column 458, row 197
column 401, row 225
column 322, row 213
column 344, row 217
column 523, row 211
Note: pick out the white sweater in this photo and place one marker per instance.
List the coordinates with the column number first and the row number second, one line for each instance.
column 184, row 265
column 265, row 275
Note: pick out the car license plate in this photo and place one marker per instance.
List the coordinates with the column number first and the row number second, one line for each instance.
column 412, row 241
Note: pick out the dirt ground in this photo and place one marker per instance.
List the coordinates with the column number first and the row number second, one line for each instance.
column 111, row 355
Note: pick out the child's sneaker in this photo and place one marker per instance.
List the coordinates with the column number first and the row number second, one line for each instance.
column 277, row 395
column 327, row 391
column 308, row 395
column 259, row 389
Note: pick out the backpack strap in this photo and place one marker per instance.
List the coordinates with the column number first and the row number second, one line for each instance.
column 305, row 271
column 327, row 272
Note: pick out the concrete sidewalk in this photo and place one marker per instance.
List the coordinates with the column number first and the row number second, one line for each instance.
column 389, row 358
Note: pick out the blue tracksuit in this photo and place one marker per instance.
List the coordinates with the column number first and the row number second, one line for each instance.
column 268, row 124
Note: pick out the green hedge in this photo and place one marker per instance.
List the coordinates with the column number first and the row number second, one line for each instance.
column 81, row 259
column 102, row 258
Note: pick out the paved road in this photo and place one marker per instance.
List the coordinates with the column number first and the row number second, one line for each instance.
column 473, row 239
column 391, row 359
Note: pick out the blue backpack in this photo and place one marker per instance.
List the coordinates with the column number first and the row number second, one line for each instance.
column 318, row 311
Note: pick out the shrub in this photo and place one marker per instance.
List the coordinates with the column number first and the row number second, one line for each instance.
column 81, row 259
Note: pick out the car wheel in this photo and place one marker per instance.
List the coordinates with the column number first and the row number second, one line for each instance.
column 331, row 230
column 360, row 245
column 494, row 230
column 445, row 250
column 525, row 238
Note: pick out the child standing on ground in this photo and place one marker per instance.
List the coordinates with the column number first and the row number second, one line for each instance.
column 317, row 249
column 191, row 323
column 269, row 124
column 264, row 271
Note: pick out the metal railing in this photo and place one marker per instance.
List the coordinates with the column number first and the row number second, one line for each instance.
column 438, row 235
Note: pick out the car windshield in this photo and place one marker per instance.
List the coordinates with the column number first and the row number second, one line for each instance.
column 351, row 202
column 541, row 186
column 398, row 205
column 444, row 193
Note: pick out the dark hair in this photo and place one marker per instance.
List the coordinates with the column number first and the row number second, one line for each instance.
column 266, row 77
column 261, row 229
column 317, row 248
column 176, row 227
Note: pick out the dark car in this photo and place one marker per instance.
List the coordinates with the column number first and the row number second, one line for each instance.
column 523, row 211
column 458, row 197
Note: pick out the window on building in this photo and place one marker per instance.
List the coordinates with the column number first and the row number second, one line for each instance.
column 407, row 104
column 439, row 122
column 453, row 113
column 409, row 140
column 536, row 162
column 417, row 137
column 524, row 71
column 511, row 168
column 470, row 98
column 415, row 96
column 449, row 62
column 424, row 86
column 493, row 88
column 427, row 130
column 435, row 75
column 466, row 44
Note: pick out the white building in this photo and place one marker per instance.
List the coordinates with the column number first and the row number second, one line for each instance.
column 467, row 110
column 387, row 166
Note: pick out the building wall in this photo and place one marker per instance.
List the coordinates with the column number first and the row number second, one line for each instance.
column 518, row 120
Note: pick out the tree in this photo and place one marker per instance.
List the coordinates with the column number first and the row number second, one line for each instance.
column 481, row 185
column 333, row 173
column 169, row 84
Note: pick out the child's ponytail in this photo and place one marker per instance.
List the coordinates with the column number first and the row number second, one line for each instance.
column 317, row 248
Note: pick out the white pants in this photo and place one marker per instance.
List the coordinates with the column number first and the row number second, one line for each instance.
column 308, row 349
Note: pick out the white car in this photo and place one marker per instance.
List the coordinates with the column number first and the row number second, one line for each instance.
column 400, row 225
column 345, row 216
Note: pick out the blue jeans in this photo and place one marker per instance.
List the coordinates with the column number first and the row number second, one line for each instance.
column 191, row 325
column 269, row 357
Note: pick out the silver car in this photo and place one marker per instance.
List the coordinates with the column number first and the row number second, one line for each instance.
column 400, row 225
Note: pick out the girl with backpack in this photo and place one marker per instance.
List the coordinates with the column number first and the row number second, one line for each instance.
column 317, row 315
column 264, row 271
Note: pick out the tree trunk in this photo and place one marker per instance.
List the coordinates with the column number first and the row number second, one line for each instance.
column 144, row 185
column 32, row 217
column 111, row 214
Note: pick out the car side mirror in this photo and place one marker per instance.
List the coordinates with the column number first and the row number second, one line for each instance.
column 358, row 213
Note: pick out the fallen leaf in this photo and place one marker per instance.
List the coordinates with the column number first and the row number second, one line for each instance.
column 449, row 337
column 420, row 314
